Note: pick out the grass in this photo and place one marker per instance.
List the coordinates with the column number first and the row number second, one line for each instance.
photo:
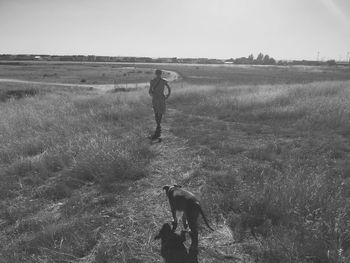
column 253, row 75
column 320, row 104
column 75, row 73
column 110, row 73
column 56, row 145
column 271, row 160
column 276, row 160
column 17, row 94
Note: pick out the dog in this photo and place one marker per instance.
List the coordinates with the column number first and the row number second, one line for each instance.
column 186, row 203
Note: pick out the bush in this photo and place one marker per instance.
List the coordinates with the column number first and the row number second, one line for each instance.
column 17, row 94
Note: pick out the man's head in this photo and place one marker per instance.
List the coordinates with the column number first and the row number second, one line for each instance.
column 158, row 72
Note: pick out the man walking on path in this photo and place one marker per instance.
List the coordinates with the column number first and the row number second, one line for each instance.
column 156, row 91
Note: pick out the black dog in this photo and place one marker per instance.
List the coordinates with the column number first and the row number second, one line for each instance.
column 186, row 203
column 172, row 247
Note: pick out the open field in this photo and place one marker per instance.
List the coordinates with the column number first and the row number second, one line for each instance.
column 254, row 75
column 73, row 73
column 265, row 148
column 121, row 73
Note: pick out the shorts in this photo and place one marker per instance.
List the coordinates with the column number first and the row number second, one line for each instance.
column 158, row 105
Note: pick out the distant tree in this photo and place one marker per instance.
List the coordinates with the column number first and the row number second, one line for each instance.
column 266, row 59
column 331, row 62
column 242, row 60
column 282, row 62
column 259, row 58
column 272, row 61
column 251, row 58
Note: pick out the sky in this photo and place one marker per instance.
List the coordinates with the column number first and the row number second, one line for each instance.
column 283, row 29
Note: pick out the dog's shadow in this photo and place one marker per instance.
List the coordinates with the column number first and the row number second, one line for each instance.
column 173, row 249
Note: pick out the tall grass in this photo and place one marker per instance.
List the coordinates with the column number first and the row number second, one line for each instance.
column 317, row 104
column 276, row 163
column 52, row 146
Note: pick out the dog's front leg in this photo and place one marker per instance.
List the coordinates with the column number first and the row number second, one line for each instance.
column 184, row 221
column 174, row 223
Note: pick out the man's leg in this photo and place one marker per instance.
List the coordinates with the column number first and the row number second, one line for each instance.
column 158, row 118
column 158, row 129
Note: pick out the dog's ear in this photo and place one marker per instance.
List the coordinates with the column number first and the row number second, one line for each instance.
column 166, row 187
column 176, row 185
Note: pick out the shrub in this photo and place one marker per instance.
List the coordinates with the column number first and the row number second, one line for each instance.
column 17, row 94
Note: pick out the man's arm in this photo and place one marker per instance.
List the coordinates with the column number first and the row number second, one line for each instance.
column 150, row 91
column 169, row 90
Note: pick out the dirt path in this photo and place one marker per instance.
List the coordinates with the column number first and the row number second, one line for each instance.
column 145, row 208
column 172, row 76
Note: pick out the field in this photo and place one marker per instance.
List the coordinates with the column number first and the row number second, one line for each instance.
column 75, row 73
column 254, row 75
column 265, row 148
column 121, row 73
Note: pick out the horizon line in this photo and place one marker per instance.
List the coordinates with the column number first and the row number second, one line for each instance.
column 169, row 57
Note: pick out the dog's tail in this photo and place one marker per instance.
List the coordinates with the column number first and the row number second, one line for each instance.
column 205, row 219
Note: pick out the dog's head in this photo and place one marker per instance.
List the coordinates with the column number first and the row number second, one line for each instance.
column 164, row 232
column 168, row 187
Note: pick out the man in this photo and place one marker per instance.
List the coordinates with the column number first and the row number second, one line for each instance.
column 156, row 91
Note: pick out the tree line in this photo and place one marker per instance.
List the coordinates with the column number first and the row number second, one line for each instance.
column 261, row 59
